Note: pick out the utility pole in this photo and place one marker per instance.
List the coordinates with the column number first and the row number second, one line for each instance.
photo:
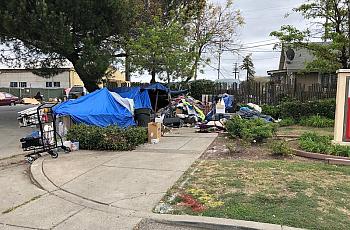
column 236, row 71
column 326, row 25
column 219, row 64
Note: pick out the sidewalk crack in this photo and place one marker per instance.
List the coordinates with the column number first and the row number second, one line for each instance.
column 75, row 213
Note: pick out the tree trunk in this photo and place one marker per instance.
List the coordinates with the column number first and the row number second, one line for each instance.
column 89, row 81
column 153, row 74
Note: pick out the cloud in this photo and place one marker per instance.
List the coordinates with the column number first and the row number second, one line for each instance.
column 261, row 18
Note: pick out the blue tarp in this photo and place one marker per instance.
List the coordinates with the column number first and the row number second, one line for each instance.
column 141, row 98
column 98, row 108
column 157, row 86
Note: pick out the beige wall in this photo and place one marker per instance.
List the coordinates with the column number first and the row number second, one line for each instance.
column 342, row 95
column 74, row 79
column 33, row 81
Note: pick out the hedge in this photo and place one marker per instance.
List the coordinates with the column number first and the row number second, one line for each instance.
column 297, row 109
column 108, row 138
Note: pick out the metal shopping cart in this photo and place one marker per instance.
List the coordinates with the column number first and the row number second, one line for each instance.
column 45, row 138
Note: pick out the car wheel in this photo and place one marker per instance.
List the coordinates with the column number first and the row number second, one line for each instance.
column 12, row 103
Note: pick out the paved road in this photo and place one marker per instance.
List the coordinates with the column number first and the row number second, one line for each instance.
column 10, row 133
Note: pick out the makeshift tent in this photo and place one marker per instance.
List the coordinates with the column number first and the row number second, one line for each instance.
column 157, row 86
column 140, row 97
column 99, row 108
column 159, row 95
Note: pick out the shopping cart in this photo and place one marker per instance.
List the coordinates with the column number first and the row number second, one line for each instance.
column 45, row 138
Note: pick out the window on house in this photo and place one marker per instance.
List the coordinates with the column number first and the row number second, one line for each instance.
column 57, row 84
column 13, row 84
column 23, row 84
column 48, row 84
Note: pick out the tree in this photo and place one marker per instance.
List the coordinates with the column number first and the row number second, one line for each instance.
column 214, row 26
column 248, row 66
column 160, row 49
column 331, row 20
column 45, row 34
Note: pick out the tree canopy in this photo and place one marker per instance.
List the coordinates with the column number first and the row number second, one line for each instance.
column 330, row 22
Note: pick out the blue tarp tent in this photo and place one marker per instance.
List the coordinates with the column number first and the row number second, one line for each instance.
column 140, row 97
column 99, row 108
column 157, row 86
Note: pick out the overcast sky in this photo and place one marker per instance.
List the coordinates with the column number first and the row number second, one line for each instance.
column 261, row 17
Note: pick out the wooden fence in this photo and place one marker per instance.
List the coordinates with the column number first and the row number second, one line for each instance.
column 258, row 93
column 267, row 93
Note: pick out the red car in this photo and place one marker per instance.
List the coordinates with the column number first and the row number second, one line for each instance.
column 8, row 99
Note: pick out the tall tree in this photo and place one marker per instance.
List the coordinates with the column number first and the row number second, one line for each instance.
column 331, row 22
column 160, row 49
column 213, row 27
column 46, row 33
column 248, row 66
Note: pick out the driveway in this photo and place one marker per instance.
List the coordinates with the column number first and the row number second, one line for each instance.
column 10, row 133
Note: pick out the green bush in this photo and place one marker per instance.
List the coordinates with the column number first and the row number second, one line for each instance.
column 316, row 121
column 253, row 130
column 288, row 121
column 297, row 110
column 280, row 148
column 313, row 142
column 271, row 110
column 199, row 87
column 109, row 138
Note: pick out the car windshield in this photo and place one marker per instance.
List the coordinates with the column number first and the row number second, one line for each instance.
column 2, row 96
column 76, row 90
column 8, row 95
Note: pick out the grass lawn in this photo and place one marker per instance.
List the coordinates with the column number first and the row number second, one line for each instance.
column 298, row 130
column 287, row 192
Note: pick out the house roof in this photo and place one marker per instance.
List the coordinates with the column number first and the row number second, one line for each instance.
column 293, row 59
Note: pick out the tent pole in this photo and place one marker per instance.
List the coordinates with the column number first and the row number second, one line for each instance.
column 156, row 102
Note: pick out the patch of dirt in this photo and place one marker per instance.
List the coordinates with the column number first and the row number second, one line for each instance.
column 226, row 148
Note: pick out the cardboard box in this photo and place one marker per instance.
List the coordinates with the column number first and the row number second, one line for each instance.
column 154, row 131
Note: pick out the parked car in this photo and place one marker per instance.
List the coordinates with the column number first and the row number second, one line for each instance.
column 8, row 99
column 76, row 92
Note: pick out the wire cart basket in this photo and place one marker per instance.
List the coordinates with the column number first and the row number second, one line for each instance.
column 45, row 138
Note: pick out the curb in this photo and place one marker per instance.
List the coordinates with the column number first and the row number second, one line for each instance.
column 326, row 158
column 213, row 223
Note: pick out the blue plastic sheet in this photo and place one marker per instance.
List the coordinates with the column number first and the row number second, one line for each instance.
column 98, row 108
column 140, row 97
column 157, row 86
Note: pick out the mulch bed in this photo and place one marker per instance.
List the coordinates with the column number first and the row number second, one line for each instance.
column 227, row 148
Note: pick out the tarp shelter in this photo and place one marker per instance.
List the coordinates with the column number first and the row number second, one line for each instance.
column 159, row 95
column 140, row 97
column 99, row 108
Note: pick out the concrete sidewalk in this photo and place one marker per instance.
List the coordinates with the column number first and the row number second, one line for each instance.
column 106, row 190
column 114, row 190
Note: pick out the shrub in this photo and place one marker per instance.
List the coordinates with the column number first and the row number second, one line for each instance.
column 251, row 130
column 199, row 87
column 316, row 121
column 271, row 110
column 313, row 142
column 280, row 148
column 296, row 109
column 108, row 138
column 287, row 122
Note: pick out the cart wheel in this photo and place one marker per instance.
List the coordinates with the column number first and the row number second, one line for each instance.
column 67, row 150
column 30, row 160
column 53, row 154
